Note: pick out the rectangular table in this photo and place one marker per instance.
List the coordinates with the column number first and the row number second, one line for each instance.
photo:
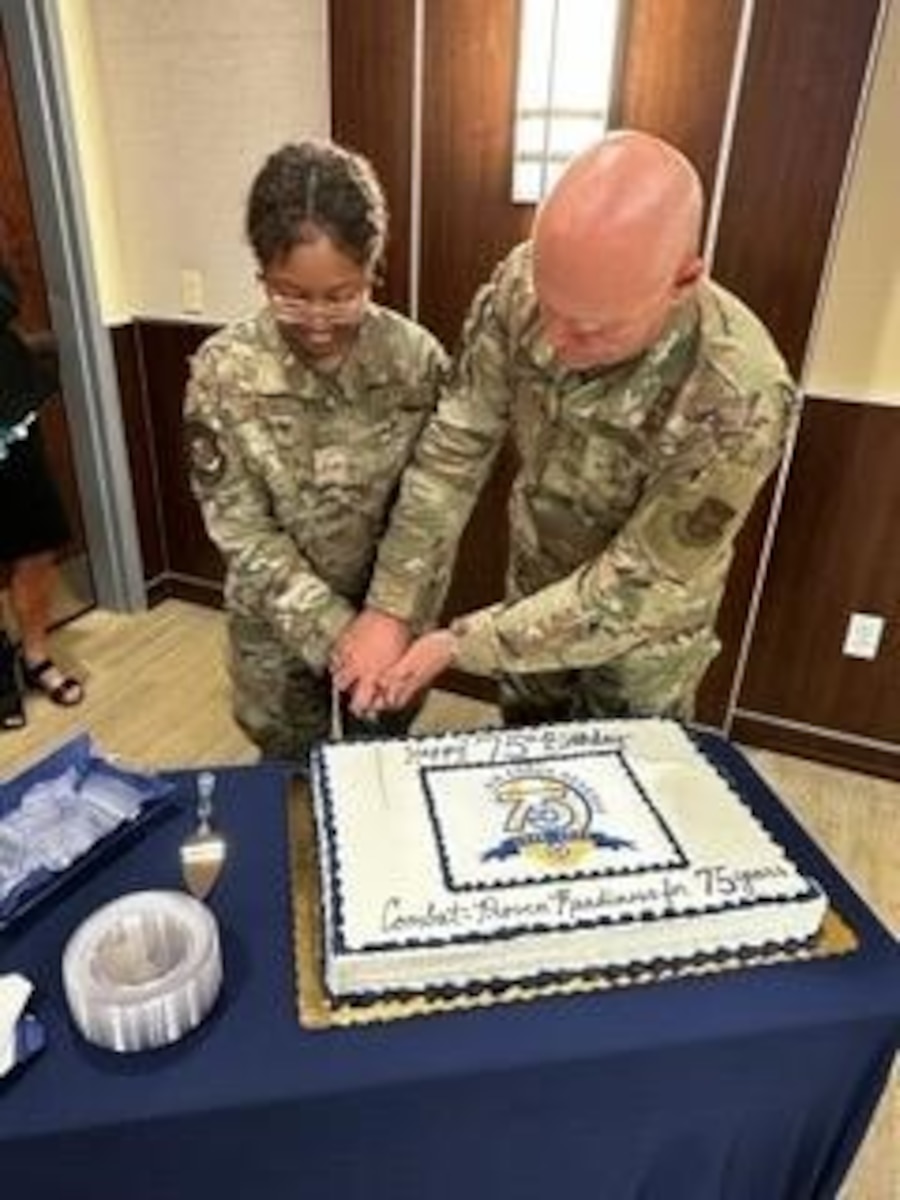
column 752, row 1084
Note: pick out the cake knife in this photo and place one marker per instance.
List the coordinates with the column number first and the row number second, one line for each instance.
column 337, row 735
column 337, row 716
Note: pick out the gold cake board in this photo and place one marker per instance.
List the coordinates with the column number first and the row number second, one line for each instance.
column 318, row 1010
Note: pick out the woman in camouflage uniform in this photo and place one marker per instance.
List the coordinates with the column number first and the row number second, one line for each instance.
column 299, row 421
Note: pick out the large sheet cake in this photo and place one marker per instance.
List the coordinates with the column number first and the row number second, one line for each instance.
column 475, row 860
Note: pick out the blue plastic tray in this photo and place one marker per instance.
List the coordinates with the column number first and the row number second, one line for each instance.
column 157, row 796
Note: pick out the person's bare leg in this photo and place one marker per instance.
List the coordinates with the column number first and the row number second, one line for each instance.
column 30, row 592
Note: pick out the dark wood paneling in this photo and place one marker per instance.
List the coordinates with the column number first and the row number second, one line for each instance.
column 676, row 72
column 484, row 548
column 468, row 220
column 469, row 224
column 164, row 352
column 837, row 551
column 371, row 110
column 208, row 593
column 18, row 239
column 58, row 446
column 139, row 437
column 715, row 691
column 805, row 67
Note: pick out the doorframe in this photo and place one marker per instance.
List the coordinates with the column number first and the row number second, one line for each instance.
column 90, row 384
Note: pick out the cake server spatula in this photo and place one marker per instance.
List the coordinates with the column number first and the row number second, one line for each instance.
column 203, row 853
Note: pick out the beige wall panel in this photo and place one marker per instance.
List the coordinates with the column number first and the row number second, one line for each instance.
column 190, row 98
column 94, row 157
column 856, row 351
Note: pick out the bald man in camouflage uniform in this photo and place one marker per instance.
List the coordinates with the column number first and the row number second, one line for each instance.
column 636, row 474
column 298, row 424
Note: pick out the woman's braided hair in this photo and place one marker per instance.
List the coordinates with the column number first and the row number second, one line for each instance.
column 316, row 187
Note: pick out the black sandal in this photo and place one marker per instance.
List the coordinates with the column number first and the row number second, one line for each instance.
column 12, row 712
column 67, row 693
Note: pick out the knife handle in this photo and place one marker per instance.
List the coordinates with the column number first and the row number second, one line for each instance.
column 206, row 784
column 337, row 716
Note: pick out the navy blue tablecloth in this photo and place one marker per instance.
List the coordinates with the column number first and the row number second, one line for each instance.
column 753, row 1084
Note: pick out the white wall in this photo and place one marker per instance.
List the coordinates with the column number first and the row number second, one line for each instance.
column 177, row 103
column 856, row 350
column 95, row 159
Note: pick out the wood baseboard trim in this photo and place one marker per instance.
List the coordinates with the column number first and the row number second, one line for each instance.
column 807, row 743
column 183, row 587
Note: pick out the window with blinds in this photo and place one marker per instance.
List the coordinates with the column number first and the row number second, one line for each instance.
column 567, row 67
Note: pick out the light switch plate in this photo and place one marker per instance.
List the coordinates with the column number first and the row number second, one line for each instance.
column 863, row 636
column 191, row 291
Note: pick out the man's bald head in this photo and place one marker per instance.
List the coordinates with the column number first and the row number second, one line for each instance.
column 617, row 241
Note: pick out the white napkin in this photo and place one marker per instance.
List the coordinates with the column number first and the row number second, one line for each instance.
column 15, row 991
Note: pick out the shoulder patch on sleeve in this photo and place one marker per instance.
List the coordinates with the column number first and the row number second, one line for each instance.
column 205, row 454
column 680, row 534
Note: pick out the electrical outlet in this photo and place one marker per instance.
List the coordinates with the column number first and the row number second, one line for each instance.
column 863, row 636
column 191, row 290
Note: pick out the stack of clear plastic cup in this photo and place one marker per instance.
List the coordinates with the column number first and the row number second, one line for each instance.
column 143, row 971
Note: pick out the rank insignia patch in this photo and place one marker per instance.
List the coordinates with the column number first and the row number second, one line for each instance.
column 705, row 524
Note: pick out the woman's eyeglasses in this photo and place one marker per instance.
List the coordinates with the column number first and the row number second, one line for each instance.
column 296, row 310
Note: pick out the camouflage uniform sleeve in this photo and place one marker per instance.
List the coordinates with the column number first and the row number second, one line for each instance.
column 266, row 574
column 657, row 577
column 450, row 465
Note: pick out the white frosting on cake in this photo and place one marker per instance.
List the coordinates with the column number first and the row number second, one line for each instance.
column 502, row 855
